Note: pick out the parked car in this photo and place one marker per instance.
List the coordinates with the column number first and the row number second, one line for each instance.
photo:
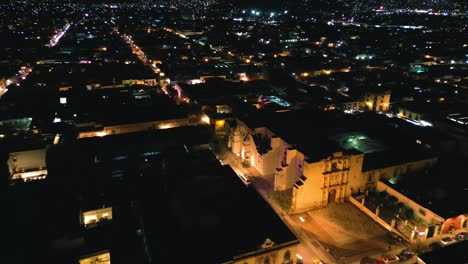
column 245, row 179
column 447, row 241
column 405, row 254
column 390, row 259
column 462, row 236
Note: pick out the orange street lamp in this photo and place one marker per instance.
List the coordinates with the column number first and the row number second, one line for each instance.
column 302, row 221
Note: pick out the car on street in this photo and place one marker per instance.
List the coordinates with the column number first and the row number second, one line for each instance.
column 245, row 179
column 462, row 236
column 405, row 254
column 448, row 241
column 387, row 259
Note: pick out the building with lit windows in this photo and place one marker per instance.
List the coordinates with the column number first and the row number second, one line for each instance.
column 103, row 257
column 26, row 157
column 369, row 101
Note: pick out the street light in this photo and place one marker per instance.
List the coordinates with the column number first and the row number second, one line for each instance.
column 302, row 221
column 299, row 258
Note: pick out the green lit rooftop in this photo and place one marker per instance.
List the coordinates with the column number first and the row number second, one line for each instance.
column 359, row 141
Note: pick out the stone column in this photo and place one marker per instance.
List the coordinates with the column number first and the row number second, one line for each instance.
column 412, row 236
column 426, row 231
column 436, row 230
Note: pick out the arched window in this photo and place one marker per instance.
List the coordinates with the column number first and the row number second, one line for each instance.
column 266, row 260
column 287, row 257
column 334, row 166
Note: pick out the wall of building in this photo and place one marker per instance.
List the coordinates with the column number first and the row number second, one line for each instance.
column 377, row 101
column 356, row 181
column 397, row 170
column 406, row 113
column 330, row 180
column 310, row 194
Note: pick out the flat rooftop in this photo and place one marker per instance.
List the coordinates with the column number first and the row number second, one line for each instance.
column 210, row 208
column 359, row 141
column 121, row 106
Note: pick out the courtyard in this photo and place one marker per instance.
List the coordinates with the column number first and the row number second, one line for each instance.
column 345, row 232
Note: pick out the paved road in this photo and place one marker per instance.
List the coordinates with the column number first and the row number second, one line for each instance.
column 309, row 248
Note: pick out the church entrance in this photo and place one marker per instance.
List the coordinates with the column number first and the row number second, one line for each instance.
column 332, row 196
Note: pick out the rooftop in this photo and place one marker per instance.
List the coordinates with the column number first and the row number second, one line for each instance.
column 443, row 190
column 359, row 141
column 396, row 155
column 211, row 208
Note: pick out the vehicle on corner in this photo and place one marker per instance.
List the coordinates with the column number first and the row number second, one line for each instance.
column 406, row 254
column 448, row 241
column 245, row 179
column 462, row 236
column 387, row 259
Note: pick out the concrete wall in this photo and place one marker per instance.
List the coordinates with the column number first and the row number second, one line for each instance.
column 430, row 217
column 276, row 255
column 371, row 214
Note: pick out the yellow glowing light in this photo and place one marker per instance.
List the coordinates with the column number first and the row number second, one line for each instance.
column 165, row 126
column 244, row 78
column 101, row 133
column 305, row 74
column 220, row 123
column 327, row 72
column 247, row 61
